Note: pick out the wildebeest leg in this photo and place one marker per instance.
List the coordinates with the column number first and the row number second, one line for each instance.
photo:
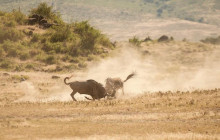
column 72, row 95
column 113, row 93
column 95, row 94
column 123, row 90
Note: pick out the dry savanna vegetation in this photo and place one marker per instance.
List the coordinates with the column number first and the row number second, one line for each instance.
column 29, row 45
column 37, row 105
column 159, row 115
column 174, row 94
column 169, row 115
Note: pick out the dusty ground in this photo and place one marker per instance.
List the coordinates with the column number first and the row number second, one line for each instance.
column 169, row 115
column 41, row 107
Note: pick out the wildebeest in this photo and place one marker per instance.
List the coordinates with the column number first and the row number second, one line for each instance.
column 113, row 84
column 89, row 87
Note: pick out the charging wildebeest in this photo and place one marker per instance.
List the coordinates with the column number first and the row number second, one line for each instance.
column 89, row 87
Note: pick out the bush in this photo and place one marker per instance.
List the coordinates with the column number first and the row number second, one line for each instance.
column 47, row 47
column 35, row 38
column 13, row 52
column 75, row 60
column 61, row 34
column 24, row 55
column 70, row 67
column 74, row 50
column 212, row 40
column 46, row 11
column 135, row 41
column 6, row 64
column 82, row 65
column 2, row 13
column 52, row 47
column 163, row 38
column 19, row 67
column 91, row 57
column 20, row 77
column 2, row 52
column 13, row 49
column 11, row 24
column 10, row 34
column 19, row 17
column 50, row 59
column 29, row 66
column 103, row 40
column 34, row 52
column 87, row 33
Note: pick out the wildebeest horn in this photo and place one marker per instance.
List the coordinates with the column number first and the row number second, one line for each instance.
column 71, row 76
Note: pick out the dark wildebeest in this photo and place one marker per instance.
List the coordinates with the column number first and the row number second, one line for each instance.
column 89, row 87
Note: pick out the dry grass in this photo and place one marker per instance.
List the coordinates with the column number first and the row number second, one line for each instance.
column 41, row 108
column 170, row 115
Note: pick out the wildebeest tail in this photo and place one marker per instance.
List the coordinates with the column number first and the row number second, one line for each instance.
column 130, row 76
column 68, row 79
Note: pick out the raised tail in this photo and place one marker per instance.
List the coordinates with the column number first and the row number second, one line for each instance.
column 130, row 76
column 68, row 79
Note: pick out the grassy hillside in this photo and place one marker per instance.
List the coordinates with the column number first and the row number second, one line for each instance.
column 204, row 11
column 64, row 45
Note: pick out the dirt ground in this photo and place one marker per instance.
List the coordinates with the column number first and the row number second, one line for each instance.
column 159, row 115
column 37, row 105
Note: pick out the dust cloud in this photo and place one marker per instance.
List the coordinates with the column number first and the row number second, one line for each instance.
column 160, row 69
column 163, row 67
column 33, row 94
column 55, row 93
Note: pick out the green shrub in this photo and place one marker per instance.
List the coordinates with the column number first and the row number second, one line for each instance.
column 135, row 41
column 71, row 67
column 29, row 66
column 43, row 40
column 2, row 52
column 34, row 52
column 13, row 52
column 13, row 49
column 103, row 40
column 46, row 11
column 212, row 40
column 11, row 24
column 24, row 55
column 87, row 34
column 19, row 16
column 75, row 60
column 74, row 50
column 20, row 77
column 82, row 65
column 47, row 47
column 7, row 45
column 41, row 56
column 91, row 57
column 10, row 34
column 61, row 34
column 50, row 59
column 104, row 55
column 35, row 38
column 2, row 13
column 66, row 58
column 6, row 64
column 19, row 67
